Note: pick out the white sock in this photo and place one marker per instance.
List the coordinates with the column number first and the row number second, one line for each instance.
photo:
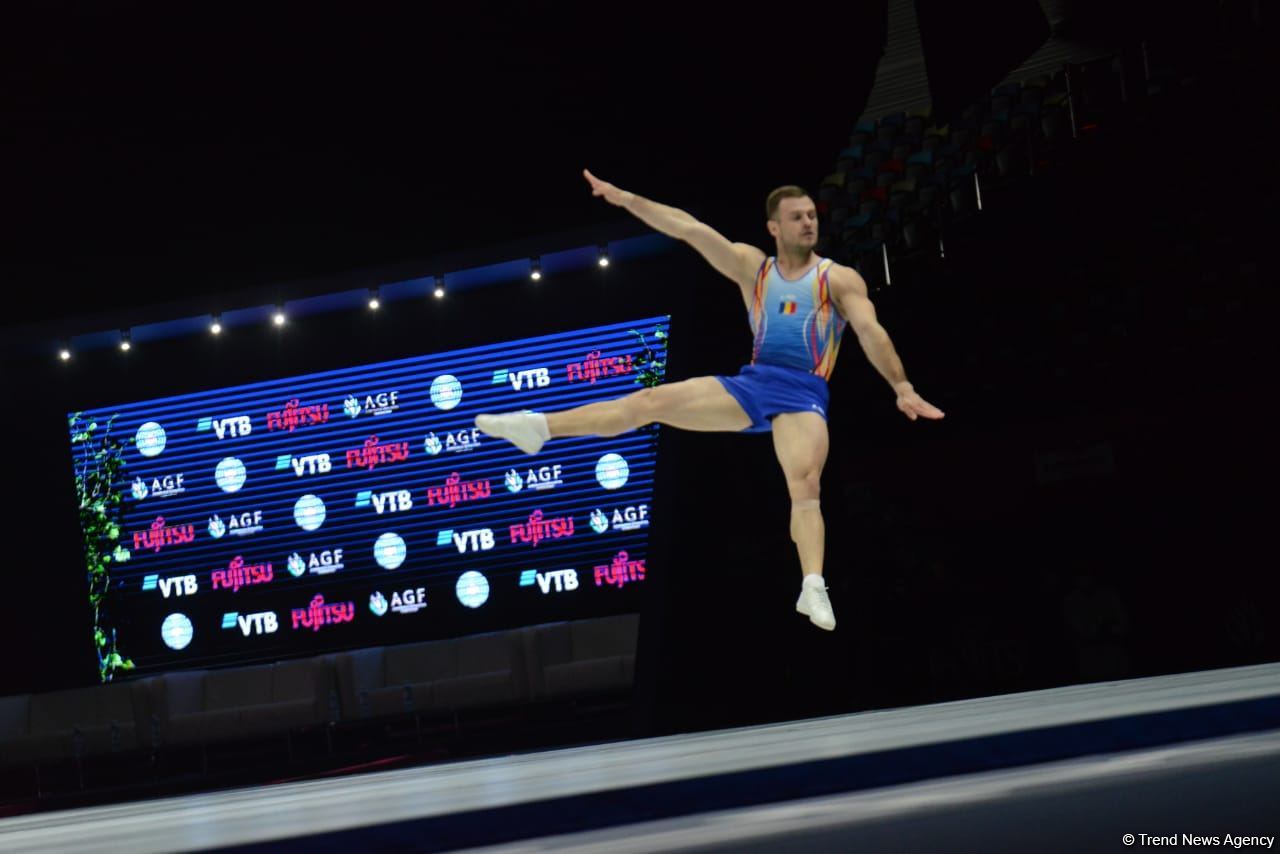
column 813, row 581
column 540, row 424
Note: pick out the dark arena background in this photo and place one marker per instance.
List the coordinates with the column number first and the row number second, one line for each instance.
column 269, row 588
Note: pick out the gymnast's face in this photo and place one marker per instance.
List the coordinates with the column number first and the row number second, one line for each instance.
column 795, row 226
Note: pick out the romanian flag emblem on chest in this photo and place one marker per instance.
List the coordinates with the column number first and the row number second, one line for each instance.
column 787, row 306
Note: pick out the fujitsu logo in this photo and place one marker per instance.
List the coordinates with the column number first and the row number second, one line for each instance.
column 261, row 623
column 560, row 580
column 178, row 585
column 538, row 528
column 593, row 367
column 160, row 536
column 238, row 574
column 625, row 519
column 294, row 416
column 456, row 491
column 386, row 502
column 236, row 426
column 620, row 571
column 478, row 540
column 318, row 614
column 374, row 453
column 383, row 403
column 160, row 487
column 524, row 379
column 302, row 466
column 237, row 524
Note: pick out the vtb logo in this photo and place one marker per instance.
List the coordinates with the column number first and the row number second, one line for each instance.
column 559, row 579
column 520, row 380
column 178, row 585
column 478, row 540
column 261, row 623
column 240, row 425
column 386, row 502
column 310, row 464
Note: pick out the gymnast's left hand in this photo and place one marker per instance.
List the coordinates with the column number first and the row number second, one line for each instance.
column 915, row 406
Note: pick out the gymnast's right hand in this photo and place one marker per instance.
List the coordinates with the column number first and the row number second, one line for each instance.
column 611, row 194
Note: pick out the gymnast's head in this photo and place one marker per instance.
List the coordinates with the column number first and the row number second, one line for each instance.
column 793, row 219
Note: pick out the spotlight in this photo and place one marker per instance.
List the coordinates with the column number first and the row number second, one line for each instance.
column 439, row 291
column 603, row 259
column 374, row 302
column 125, row 343
column 216, row 326
column 279, row 318
column 535, row 271
column 64, row 353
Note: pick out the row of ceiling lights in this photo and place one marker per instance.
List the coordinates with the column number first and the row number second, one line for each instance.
column 279, row 318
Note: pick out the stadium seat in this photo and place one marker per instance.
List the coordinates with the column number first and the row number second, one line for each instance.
column 581, row 657
column 218, row 705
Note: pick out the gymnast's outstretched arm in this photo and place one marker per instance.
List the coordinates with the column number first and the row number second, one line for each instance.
column 737, row 261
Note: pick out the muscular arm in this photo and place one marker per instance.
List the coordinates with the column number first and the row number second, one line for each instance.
column 850, row 294
column 737, row 261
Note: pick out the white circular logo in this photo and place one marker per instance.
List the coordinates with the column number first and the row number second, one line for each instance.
column 389, row 551
column 446, row 391
column 176, row 631
column 472, row 589
column 150, row 439
column 230, row 475
column 612, row 471
column 309, row 512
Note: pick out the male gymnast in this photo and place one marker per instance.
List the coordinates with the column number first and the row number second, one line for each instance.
column 798, row 304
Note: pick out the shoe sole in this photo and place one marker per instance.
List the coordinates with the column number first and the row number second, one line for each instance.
column 830, row 628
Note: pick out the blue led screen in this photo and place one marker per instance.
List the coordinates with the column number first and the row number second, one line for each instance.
column 361, row 506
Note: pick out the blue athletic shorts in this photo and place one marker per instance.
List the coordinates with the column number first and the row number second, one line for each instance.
column 768, row 390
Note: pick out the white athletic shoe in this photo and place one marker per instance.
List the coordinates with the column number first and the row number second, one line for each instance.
column 526, row 430
column 815, row 605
